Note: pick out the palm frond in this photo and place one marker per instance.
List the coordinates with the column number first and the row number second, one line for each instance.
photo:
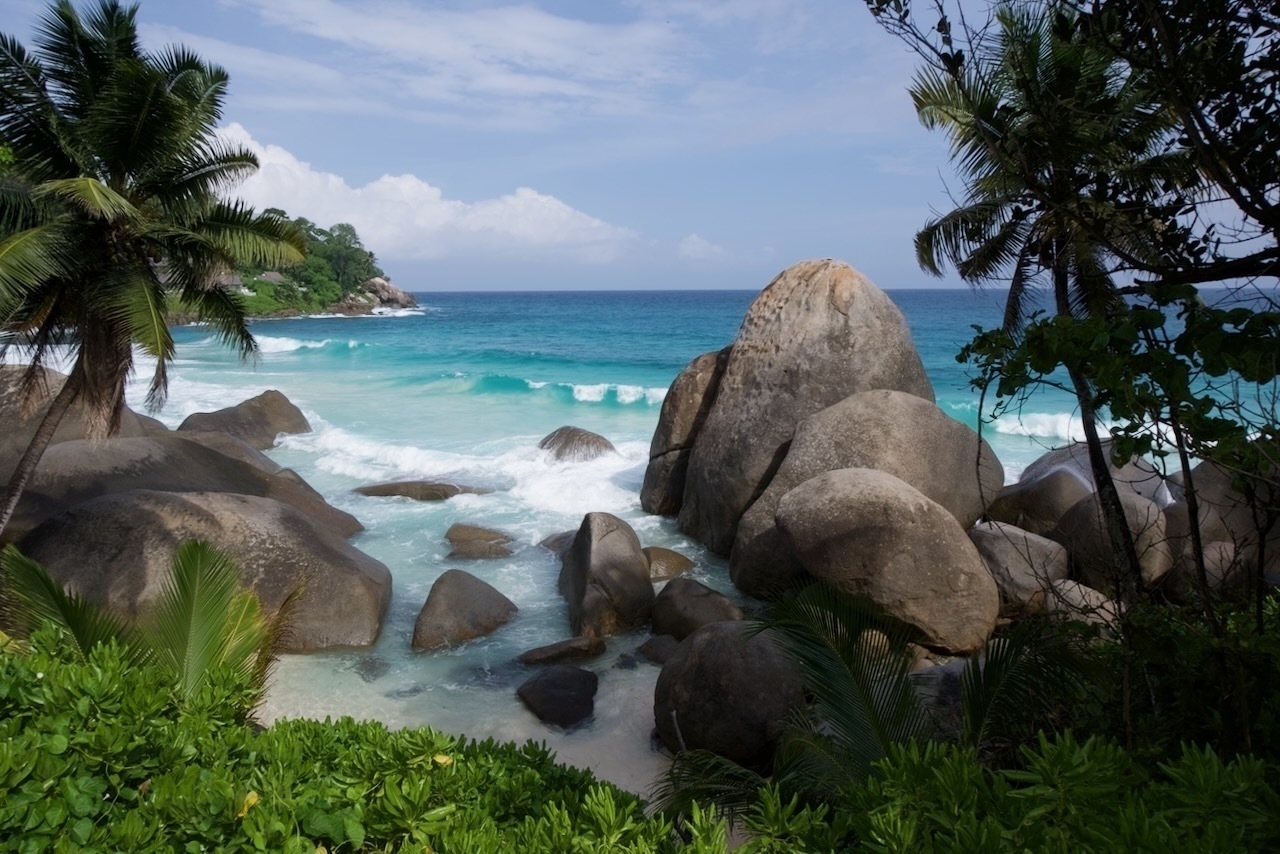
column 189, row 629
column 88, row 195
column 31, row 258
column 29, row 597
column 855, row 664
column 1011, row 679
column 703, row 777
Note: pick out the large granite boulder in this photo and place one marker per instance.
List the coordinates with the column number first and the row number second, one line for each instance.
column 683, row 410
column 1083, row 532
column 458, row 608
column 877, row 537
column 117, row 551
column 228, row 446
column 727, row 693
column 373, row 294
column 817, row 334
column 419, row 490
column 1137, row 475
column 76, row 471
column 20, row 422
column 259, row 420
column 1022, row 564
column 890, row 431
column 1071, row 600
column 474, row 541
column 561, row 695
column 575, row 445
column 605, row 578
column 685, row 605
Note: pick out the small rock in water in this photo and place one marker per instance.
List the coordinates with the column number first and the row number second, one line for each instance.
column 561, row 695
column 626, row 662
column 371, row 667
column 406, row 692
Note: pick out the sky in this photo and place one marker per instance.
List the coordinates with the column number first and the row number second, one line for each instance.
column 575, row 144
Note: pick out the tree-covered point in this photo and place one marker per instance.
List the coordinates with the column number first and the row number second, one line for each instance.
column 336, row 265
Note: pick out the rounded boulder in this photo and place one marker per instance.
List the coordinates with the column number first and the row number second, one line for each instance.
column 605, row 578
column 727, row 693
column 877, row 537
column 259, row 420
column 460, row 607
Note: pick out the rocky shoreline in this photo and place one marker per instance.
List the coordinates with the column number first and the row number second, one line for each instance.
column 809, row 448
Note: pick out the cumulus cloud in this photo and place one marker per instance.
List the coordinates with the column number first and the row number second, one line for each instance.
column 403, row 216
column 697, row 248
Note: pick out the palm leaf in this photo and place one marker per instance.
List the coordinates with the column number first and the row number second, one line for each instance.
column 855, row 664
column 1011, row 680
column 29, row 597
column 189, row 626
column 703, row 777
column 88, row 195
column 31, row 258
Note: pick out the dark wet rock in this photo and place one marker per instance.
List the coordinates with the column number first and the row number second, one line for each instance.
column 371, row 668
column 259, row 420
column 626, row 662
column 460, row 607
column 659, row 648
column 684, row 606
column 559, row 544
column 573, row 444
column 573, row 649
column 726, row 693
column 473, row 541
column 419, row 490
column 561, row 695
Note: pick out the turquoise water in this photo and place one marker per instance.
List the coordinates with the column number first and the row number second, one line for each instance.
column 462, row 390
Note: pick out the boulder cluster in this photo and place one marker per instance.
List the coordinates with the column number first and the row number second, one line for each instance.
column 812, row 448
column 106, row 517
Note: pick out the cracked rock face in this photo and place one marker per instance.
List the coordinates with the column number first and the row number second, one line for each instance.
column 817, row 334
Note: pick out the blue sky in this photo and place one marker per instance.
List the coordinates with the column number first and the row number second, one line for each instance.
column 557, row 144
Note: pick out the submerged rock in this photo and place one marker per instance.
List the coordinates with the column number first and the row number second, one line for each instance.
column 419, row 490
column 460, row 607
column 473, row 541
column 576, row 445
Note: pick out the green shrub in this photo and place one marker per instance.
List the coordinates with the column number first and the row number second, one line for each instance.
column 101, row 754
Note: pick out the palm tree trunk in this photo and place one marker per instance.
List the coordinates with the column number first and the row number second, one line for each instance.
column 36, row 447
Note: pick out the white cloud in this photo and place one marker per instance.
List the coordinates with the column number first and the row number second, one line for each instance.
column 698, row 248
column 402, row 216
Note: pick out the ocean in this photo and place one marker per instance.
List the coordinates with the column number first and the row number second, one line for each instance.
column 461, row 390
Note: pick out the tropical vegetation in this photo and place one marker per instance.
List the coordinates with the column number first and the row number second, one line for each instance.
column 336, row 265
column 112, row 208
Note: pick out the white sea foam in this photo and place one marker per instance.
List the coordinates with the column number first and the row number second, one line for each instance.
column 1054, row 426
column 272, row 344
column 590, row 393
column 630, row 393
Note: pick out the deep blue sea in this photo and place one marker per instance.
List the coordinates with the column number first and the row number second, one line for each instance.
column 462, row 389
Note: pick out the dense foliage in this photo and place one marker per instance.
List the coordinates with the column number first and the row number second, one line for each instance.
column 336, row 265
column 101, row 754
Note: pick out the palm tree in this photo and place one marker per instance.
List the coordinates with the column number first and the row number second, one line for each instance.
column 1035, row 117
column 111, row 212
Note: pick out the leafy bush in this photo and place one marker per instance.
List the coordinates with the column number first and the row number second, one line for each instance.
column 1071, row 796
column 98, row 753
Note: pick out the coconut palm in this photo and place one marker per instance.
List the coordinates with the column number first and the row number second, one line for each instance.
column 1047, row 131
column 110, row 214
